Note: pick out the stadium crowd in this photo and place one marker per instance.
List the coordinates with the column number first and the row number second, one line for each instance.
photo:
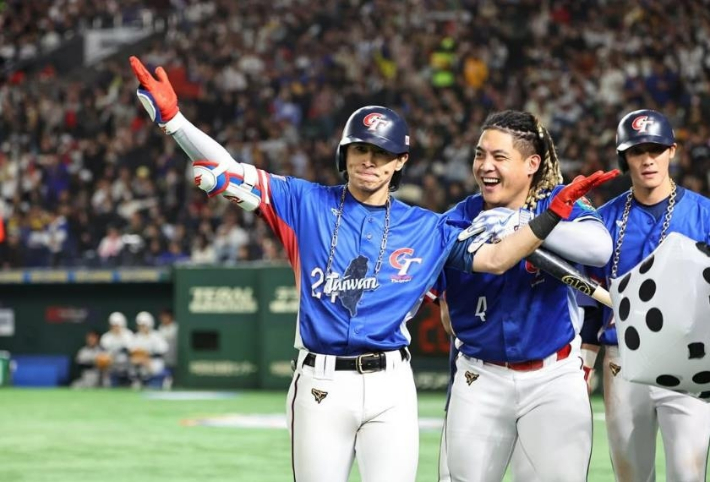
column 86, row 180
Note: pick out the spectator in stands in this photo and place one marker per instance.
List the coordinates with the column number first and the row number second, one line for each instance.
column 12, row 252
column 116, row 342
column 59, row 243
column 92, row 361
column 274, row 95
column 110, row 247
column 229, row 238
column 202, row 250
column 147, row 351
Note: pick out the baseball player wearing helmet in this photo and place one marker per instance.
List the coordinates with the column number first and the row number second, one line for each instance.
column 362, row 262
column 518, row 377
column 116, row 343
column 147, row 351
column 638, row 221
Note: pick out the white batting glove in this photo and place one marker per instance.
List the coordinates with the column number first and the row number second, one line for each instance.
column 492, row 225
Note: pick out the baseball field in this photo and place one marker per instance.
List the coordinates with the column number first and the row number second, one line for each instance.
column 63, row 435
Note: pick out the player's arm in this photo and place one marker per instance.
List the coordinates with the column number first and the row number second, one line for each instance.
column 445, row 316
column 584, row 241
column 590, row 341
column 499, row 257
column 216, row 172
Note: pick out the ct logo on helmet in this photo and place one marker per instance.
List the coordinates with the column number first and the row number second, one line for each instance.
column 641, row 123
column 375, row 120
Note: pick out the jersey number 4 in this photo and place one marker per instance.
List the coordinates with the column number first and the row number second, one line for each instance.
column 481, row 307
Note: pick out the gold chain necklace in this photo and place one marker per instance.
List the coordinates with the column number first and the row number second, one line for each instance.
column 334, row 240
column 625, row 220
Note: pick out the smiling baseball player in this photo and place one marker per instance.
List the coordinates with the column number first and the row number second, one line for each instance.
column 518, row 376
column 363, row 262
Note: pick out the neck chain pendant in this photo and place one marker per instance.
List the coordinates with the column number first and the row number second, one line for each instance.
column 355, row 277
column 625, row 219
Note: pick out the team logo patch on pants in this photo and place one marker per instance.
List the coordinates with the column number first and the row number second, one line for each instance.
column 471, row 377
column 319, row 395
column 615, row 369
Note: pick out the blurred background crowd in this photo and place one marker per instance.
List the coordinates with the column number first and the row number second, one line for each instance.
column 87, row 180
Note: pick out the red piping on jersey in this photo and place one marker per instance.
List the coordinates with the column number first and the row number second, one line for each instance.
column 282, row 230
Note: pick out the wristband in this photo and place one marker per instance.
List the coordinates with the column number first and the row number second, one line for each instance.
column 543, row 224
column 174, row 124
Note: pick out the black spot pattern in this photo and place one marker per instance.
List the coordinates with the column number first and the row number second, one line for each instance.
column 625, row 282
column 646, row 265
column 667, row 381
column 703, row 248
column 631, row 337
column 701, row 378
column 696, row 350
column 647, row 290
column 624, row 309
column 654, row 320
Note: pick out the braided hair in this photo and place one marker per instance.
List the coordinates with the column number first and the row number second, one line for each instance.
column 530, row 137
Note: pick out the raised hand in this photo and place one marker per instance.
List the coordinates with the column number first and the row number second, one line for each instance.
column 157, row 96
column 564, row 200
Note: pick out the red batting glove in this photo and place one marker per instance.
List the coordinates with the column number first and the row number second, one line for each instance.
column 564, row 201
column 157, row 96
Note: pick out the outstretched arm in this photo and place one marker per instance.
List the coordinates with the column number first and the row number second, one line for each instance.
column 215, row 171
column 498, row 258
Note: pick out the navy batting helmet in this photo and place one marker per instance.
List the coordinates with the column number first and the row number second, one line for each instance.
column 642, row 127
column 377, row 125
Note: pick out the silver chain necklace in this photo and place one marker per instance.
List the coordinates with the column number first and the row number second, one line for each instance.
column 625, row 220
column 334, row 240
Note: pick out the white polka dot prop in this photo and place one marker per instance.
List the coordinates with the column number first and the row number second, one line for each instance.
column 662, row 314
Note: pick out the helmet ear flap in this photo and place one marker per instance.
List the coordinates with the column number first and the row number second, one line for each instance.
column 340, row 164
column 623, row 165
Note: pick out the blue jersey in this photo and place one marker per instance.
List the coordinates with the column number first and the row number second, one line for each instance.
column 691, row 217
column 355, row 310
column 523, row 314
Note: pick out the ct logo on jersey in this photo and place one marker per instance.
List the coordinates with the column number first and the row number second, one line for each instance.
column 375, row 121
column 401, row 260
column 641, row 123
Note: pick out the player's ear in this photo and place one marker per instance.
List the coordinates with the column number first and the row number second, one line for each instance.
column 401, row 161
column 532, row 164
column 671, row 153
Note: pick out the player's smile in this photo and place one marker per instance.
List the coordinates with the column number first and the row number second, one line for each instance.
column 501, row 171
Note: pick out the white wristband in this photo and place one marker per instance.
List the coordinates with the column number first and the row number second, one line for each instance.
column 174, row 124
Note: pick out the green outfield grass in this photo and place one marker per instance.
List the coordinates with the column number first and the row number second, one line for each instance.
column 121, row 435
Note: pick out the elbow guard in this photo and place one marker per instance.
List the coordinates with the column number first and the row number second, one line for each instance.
column 243, row 194
column 214, row 179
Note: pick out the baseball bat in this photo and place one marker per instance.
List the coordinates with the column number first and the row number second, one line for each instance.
column 569, row 275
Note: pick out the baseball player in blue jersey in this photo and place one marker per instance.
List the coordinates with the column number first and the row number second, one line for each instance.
column 638, row 221
column 518, row 376
column 362, row 262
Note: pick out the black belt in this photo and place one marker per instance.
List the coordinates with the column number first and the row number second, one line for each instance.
column 365, row 363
